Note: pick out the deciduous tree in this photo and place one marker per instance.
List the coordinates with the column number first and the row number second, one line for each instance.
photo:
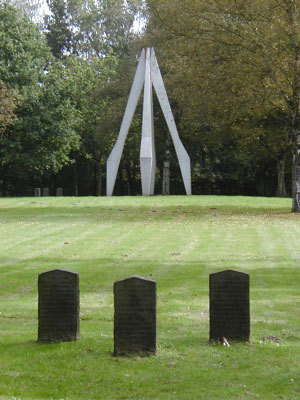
column 8, row 100
column 44, row 132
column 239, row 61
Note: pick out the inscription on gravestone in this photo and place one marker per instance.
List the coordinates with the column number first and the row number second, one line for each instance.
column 58, row 308
column 135, row 316
column 229, row 305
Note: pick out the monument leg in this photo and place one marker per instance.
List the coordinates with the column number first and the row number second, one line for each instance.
column 182, row 155
column 114, row 158
column 147, row 153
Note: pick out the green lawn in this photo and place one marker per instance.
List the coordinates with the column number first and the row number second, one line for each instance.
column 177, row 241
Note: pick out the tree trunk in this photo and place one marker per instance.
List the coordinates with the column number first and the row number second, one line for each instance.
column 134, row 182
column 98, row 178
column 295, row 103
column 281, row 189
column 295, row 131
column 129, row 177
column 166, row 177
column 121, row 180
column 296, row 174
column 75, row 179
column 166, row 170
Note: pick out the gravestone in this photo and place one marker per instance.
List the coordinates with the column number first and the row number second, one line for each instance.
column 37, row 192
column 59, row 192
column 45, row 192
column 135, row 316
column 58, row 306
column 229, row 305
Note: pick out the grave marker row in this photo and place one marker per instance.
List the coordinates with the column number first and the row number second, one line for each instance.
column 45, row 192
column 135, row 309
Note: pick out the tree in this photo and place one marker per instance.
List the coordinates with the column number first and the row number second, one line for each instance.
column 29, row 8
column 104, row 45
column 58, row 33
column 102, row 88
column 44, row 132
column 90, row 28
column 8, row 99
column 239, row 62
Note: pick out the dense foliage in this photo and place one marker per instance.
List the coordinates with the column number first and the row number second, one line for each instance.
column 232, row 74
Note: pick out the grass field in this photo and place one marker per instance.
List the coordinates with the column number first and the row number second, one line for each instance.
column 178, row 241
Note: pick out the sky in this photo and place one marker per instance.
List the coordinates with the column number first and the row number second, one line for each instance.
column 44, row 9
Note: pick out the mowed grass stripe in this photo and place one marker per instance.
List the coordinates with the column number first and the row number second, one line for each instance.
column 177, row 241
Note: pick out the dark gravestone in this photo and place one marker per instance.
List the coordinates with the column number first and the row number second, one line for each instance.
column 58, row 306
column 45, row 192
column 229, row 305
column 135, row 316
column 37, row 192
column 59, row 192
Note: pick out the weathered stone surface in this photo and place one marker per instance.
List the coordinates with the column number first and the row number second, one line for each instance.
column 135, row 316
column 229, row 305
column 45, row 192
column 58, row 306
column 59, row 192
column 37, row 192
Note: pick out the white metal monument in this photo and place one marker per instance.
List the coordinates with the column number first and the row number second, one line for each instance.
column 147, row 73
